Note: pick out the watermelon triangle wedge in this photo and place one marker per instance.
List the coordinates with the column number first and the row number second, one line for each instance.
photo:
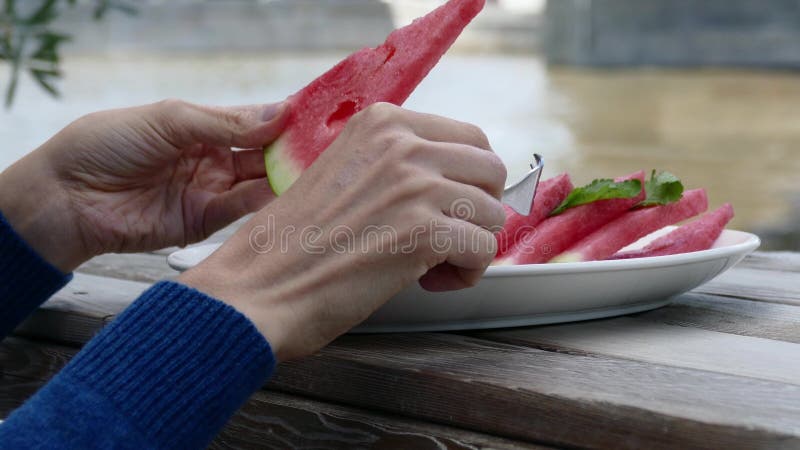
column 387, row 73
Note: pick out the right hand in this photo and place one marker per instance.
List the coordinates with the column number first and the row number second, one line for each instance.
column 391, row 173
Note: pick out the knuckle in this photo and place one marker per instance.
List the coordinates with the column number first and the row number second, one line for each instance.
column 400, row 173
column 421, row 185
column 498, row 169
column 391, row 140
column 172, row 106
column 410, row 148
column 236, row 118
column 476, row 136
column 378, row 113
column 486, row 248
column 237, row 121
column 416, row 190
column 497, row 215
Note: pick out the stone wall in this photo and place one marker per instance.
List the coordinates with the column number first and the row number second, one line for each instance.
column 280, row 25
column 762, row 33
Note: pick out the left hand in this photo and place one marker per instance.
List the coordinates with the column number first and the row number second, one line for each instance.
column 139, row 179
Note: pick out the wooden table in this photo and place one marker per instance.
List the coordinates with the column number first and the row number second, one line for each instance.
column 719, row 368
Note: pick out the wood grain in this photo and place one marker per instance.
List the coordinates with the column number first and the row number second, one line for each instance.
column 717, row 369
column 782, row 261
column 557, row 398
column 280, row 421
column 267, row 420
column 81, row 309
column 14, row 391
column 142, row 267
column 670, row 345
column 730, row 315
column 33, row 360
column 521, row 393
column 756, row 284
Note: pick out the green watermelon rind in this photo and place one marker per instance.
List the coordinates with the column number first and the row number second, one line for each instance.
column 281, row 173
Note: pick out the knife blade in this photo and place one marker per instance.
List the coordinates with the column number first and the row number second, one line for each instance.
column 519, row 195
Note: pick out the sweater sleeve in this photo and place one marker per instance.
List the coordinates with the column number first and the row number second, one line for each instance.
column 26, row 279
column 167, row 373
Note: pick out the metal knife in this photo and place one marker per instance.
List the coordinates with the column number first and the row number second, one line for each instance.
column 519, row 195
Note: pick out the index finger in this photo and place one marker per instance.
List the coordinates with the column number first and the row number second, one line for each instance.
column 442, row 129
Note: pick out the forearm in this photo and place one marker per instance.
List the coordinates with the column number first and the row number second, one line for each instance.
column 169, row 372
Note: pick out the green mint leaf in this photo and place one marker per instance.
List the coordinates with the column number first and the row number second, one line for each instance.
column 662, row 188
column 603, row 189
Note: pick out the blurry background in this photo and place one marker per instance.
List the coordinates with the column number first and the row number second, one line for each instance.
column 705, row 89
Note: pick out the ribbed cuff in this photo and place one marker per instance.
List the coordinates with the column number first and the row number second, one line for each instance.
column 26, row 279
column 177, row 363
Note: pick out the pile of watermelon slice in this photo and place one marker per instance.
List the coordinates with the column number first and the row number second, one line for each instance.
column 599, row 229
column 566, row 224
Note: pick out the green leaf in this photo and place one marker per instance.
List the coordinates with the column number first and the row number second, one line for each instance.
column 43, row 78
column 662, row 188
column 46, row 13
column 602, row 189
column 10, row 8
column 48, row 46
column 11, row 90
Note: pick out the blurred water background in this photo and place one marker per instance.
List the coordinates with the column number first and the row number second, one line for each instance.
column 564, row 79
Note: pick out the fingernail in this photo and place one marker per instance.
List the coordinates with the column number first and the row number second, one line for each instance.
column 273, row 110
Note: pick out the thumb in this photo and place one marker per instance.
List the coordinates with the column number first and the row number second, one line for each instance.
column 249, row 126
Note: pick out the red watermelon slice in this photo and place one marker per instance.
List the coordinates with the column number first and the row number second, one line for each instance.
column 549, row 195
column 387, row 73
column 555, row 234
column 694, row 236
column 633, row 225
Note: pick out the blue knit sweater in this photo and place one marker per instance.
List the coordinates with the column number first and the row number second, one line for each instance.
column 168, row 372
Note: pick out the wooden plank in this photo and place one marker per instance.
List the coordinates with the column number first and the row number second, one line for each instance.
column 558, row 398
column 149, row 266
column 783, row 261
column 755, row 284
column 540, row 395
column 83, row 307
column 645, row 341
column 33, row 360
column 96, row 296
column 14, row 391
column 280, row 421
column 523, row 393
column 730, row 315
column 143, row 267
column 268, row 419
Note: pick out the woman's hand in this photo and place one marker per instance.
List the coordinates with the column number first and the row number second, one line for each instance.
column 396, row 195
column 140, row 179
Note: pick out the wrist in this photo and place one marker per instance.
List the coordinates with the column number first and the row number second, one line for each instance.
column 221, row 284
column 39, row 212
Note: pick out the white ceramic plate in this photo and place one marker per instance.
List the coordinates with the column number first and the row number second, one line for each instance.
column 536, row 294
